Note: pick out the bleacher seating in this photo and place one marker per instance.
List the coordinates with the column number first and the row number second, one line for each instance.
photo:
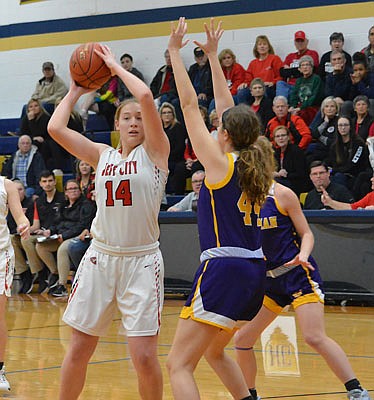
column 99, row 137
column 8, row 144
column 96, row 122
column 9, row 125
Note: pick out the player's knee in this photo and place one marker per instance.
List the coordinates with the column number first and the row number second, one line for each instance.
column 145, row 362
column 243, row 340
column 314, row 340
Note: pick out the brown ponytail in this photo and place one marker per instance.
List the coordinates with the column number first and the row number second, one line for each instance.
column 255, row 164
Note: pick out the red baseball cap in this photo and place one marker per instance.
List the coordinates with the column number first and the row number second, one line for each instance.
column 300, row 35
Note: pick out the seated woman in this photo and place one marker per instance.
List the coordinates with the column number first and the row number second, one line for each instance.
column 260, row 104
column 233, row 71
column 307, row 94
column 266, row 66
column 292, row 170
column 176, row 134
column 348, row 156
column 34, row 124
column 324, row 130
column 76, row 214
column 85, row 176
column 363, row 121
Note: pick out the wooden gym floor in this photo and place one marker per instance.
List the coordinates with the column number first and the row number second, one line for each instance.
column 38, row 340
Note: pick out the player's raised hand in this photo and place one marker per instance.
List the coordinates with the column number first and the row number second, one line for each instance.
column 177, row 35
column 213, row 35
column 107, row 56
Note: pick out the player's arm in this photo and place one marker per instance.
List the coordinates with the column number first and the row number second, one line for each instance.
column 74, row 142
column 156, row 142
column 15, row 207
column 289, row 202
column 205, row 146
column 334, row 204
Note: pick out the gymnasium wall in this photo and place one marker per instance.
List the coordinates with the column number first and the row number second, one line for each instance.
column 49, row 30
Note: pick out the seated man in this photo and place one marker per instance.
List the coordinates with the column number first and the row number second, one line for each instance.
column 336, row 43
column 163, row 84
column 320, row 177
column 338, row 82
column 300, row 133
column 189, row 203
column 290, row 70
column 366, row 203
column 49, row 88
column 46, row 211
column 26, row 164
column 21, row 266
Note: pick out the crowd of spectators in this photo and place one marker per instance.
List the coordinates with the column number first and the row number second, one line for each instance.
column 317, row 112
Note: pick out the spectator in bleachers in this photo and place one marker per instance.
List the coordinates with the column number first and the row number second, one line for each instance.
column 319, row 174
column 49, row 88
column 75, row 120
column 233, row 71
column 214, row 123
column 163, row 85
column 362, row 78
column 266, row 66
column 260, row 104
column 21, row 266
column 363, row 121
column 46, row 212
column 291, row 162
column 369, row 50
column 26, row 164
column 366, row 203
column 76, row 214
column 290, row 69
column 123, row 92
column 34, row 124
column 336, row 43
column 300, row 132
column 324, row 130
column 189, row 202
column 176, row 134
column 338, row 82
column 85, row 176
column 348, row 156
column 307, row 94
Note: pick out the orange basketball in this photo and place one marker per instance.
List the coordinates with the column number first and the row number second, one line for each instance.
column 86, row 68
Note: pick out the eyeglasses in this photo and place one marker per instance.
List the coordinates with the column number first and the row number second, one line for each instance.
column 305, row 65
column 72, row 189
column 200, row 181
column 342, row 125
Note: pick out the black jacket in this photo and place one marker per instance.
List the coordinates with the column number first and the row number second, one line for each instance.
column 205, row 83
column 28, row 205
column 72, row 220
column 49, row 212
column 159, row 79
column 265, row 111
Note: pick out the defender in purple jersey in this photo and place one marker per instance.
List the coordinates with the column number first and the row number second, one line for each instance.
column 229, row 283
column 292, row 278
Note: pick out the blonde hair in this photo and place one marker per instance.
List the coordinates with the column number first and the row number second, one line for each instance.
column 172, row 108
column 224, row 52
column 123, row 104
column 255, row 165
column 40, row 104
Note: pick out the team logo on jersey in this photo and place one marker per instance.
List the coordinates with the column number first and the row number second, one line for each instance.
column 93, row 260
column 297, row 294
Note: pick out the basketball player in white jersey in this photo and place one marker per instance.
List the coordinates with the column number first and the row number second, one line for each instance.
column 9, row 199
column 123, row 267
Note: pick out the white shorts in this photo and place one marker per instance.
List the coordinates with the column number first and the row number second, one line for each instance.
column 103, row 283
column 7, row 261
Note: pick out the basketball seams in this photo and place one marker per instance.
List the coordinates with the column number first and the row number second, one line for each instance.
column 90, row 72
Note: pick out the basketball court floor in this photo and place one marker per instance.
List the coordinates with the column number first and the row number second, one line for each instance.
column 288, row 369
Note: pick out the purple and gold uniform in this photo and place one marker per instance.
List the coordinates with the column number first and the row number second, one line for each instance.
column 229, row 284
column 281, row 243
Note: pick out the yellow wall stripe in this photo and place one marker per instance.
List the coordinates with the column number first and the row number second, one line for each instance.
column 232, row 22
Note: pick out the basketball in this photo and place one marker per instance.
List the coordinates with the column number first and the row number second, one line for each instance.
column 86, row 68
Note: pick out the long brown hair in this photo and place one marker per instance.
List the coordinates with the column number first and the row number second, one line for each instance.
column 255, row 165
